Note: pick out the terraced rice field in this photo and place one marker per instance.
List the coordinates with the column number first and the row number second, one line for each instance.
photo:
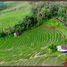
column 31, row 48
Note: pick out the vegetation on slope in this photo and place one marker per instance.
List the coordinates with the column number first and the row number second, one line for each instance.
column 9, row 19
column 33, row 46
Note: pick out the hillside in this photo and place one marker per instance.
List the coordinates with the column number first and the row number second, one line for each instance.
column 32, row 46
column 10, row 17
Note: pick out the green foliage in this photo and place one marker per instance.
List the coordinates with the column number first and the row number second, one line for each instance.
column 29, row 44
column 23, row 49
column 3, row 34
column 62, row 14
column 11, row 18
column 27, row 23
column 54, row 9
column 53, row 47
column 48, row 10
column 40, row 13
column 44, row 11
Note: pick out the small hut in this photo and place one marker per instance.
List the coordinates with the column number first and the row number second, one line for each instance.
column 62, row 49
column 16, row 34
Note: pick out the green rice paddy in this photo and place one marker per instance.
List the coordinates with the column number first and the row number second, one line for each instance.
column 31, row 48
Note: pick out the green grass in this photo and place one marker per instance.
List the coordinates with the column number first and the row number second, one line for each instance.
column 31, row 48
column 55, row 23
column 9, row 19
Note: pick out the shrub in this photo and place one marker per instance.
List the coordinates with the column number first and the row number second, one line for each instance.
column 62, row 13
column 3, row 34
column 46, row 13
column 53, row 47
column 27, row 23
column 17, row 28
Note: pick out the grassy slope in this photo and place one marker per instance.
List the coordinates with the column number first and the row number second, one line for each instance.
column 9, row 19
column 59, row 25
column 31, row 48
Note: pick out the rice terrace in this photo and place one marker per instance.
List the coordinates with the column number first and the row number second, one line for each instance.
column 31, row 31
